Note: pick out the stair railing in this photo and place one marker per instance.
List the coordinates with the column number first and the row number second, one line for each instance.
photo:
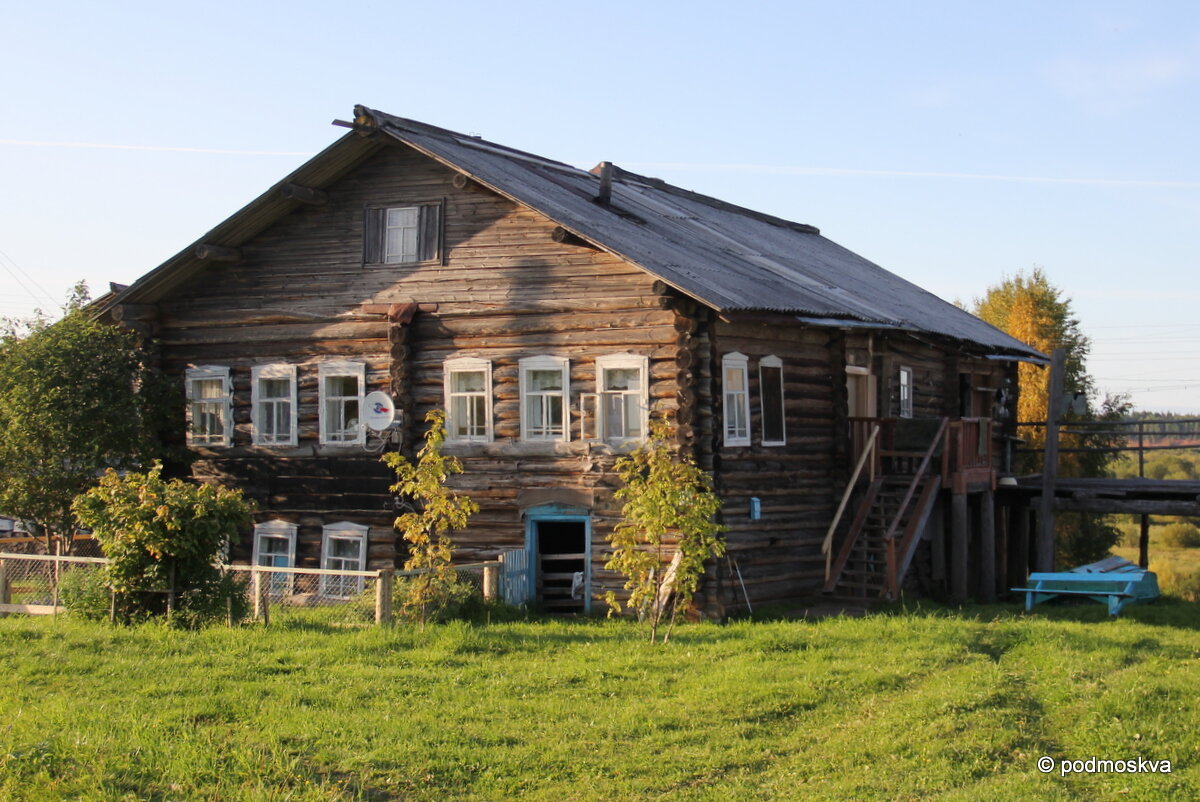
column 893, row 578
column 827, row 545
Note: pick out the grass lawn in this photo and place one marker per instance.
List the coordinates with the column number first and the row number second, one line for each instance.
column 911, row 704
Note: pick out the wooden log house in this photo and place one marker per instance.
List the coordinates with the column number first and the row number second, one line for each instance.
column 552, row 311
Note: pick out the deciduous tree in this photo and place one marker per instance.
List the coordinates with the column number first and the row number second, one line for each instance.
column 667, row 532
column 76, row 397
column 435, row 511
column 1029, row 307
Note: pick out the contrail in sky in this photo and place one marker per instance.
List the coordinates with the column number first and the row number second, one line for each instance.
column 1028, row 179
column 775, row 169
column 104, row 146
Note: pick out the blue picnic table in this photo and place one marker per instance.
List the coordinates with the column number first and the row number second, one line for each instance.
column 1113, row 581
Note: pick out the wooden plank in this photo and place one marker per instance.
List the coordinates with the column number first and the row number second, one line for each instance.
column 32, row 609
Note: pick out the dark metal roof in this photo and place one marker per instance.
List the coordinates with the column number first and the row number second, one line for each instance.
column 731, row 258
column 728, row 257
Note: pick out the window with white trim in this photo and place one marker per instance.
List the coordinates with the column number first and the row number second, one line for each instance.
column 343, row 548
column 620, row 404
column 342, row 387
column 735, row 382
column 273, row 404
column 400, row 235
column 467, row 385
column 275, row 547
column 210, row 406
column 906, row 392
column 545, row 390
column 770, row 391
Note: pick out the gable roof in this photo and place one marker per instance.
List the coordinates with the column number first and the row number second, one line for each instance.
column 728, row 257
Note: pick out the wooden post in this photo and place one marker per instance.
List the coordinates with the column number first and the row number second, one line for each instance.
column 491, row 582
column 959, row 535
column 1144, row 534
column 987, row 547
column 1018, row 561
column 5, row 592
column 57, row 575
column 1044, row 558
column 112, row 605
column 383, row 596
column 171, row 594
column 262, row 602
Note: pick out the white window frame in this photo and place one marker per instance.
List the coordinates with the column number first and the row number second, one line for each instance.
column 335, row 587
column 402, row 257
column 545, row 363
column 467, row 364
column 257, row 402
column 905, row 389
column 731, row 400
column 224, row 404
column 280, row 584
column 617, row 362
column 329, row 370
column 775, row 363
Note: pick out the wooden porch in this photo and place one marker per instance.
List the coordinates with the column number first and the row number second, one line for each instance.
column 902, row 466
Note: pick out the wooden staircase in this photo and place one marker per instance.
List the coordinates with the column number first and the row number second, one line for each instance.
column 878, row 548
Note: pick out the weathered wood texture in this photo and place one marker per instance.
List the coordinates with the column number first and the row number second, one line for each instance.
column 503, row 289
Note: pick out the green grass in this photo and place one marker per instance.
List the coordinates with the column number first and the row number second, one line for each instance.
column 906, row 705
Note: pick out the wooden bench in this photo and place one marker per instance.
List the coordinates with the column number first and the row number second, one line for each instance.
column 1112, row 581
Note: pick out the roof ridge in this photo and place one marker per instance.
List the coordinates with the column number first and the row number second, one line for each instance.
column 363, row 113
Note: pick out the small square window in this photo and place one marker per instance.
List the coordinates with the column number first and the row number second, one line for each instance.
column 400, row 235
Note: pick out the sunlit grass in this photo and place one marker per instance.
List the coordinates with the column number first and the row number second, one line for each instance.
column 906, row 705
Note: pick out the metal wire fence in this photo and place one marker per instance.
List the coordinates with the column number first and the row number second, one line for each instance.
column 36, row 584
column 47, row 584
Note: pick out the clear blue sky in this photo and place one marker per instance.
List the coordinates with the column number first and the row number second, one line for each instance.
column 953, row 143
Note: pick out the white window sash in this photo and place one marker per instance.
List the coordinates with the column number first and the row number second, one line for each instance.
column 772, row 363
column 333, row 432
column 280, row 584
column 221, row 405
column 467, row 365
column 906, row 392
column 559, row 365
column 342, row 587
column 736, row 401
column 260, row 404
column 612, row 409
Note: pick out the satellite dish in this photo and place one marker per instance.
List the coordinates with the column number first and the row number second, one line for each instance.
column 378, row 411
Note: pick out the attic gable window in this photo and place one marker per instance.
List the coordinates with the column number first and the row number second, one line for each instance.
column 401, row 235
column 210, row 402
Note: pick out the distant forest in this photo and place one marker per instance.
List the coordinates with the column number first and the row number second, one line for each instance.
column 1167, row 426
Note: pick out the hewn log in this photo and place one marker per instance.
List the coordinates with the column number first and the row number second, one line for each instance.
column 218, row 253
column 304, row 194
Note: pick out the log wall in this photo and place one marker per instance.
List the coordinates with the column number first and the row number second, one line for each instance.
column 502, row 289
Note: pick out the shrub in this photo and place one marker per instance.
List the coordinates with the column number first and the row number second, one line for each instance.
column 1180, row 536
column 85, row 593
column 163, row 536
column 1179, row 581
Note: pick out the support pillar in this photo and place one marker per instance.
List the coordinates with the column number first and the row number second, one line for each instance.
column 960, row 533
column 987, row 547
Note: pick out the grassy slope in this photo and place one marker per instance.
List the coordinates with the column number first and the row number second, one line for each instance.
column 904, row 706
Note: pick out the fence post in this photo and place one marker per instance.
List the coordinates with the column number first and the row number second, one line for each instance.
column 5, row 593
column 171, row 594
column 491, row 582
column 383, row 596
column 262, row 603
